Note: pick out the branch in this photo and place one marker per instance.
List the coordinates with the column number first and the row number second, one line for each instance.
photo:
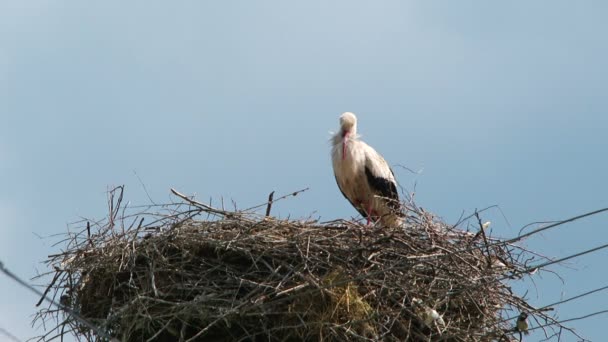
column 269, row 203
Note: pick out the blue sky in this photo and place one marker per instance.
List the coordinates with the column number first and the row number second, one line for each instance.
column 497, row 103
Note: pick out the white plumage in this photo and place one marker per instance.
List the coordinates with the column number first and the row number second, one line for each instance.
column 363, row 176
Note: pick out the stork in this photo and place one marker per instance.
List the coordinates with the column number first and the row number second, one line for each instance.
column 363, row 176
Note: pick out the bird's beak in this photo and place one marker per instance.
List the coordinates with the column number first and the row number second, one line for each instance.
column 344, row 141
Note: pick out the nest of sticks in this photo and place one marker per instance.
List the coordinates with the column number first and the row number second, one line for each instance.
column 186, row 271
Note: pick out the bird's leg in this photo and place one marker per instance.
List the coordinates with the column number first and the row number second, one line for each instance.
column 369, row 213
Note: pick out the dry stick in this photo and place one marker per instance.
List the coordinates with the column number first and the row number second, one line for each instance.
column 485, row 238
column 160, row 331
column 201, row 205
column 269, row 203
column 478, row 247
column 48, row 288
column 144, row 187
column 118, row 201
column 295, row 193
column 217, row 320
column 334, row 284
column 114, row 211
column 89, row 233
column 461, row 220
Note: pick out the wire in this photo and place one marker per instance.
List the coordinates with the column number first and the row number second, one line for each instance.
column 585, row 316
column 9, row 335
column 572, row 256
column 549, row 307
column 575, row 297
column 71, row 312
column 602, row 312
column 559, row 223
column 521, row 237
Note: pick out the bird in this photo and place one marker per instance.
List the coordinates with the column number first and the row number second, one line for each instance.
column 363, row 176
column 522, row 323
column 427, row 314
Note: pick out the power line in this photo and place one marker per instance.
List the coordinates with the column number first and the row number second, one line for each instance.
column 532, row 269
column 9, row 335
column 572, row 256
column 602, row 312
column 575, row 297
column 549, row 307
column 523, row 236
column 559, row 223
column 71, row 312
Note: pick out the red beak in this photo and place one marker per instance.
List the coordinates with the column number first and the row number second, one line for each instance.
column 344, row 141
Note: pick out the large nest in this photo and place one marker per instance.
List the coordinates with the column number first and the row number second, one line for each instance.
column 235, row 276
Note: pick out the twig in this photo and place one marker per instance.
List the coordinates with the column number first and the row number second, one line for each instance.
column 201, row 205
column 89, row 233
column 269, row 203
column 485, row 238
column 253, row 278
column 295, row 193
column 48, row 288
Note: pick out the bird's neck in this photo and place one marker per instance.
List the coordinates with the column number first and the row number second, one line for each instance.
column 348, row 136
column 351, row 132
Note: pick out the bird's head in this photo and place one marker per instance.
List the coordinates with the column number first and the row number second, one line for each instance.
column 348, row 124
column 348, row 130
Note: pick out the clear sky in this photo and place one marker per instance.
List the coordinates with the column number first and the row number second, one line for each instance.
column 496, row 102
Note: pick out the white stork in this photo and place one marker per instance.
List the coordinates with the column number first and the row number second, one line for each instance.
column 363, row 176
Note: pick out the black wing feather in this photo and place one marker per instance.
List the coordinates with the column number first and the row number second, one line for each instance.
column 384, row 187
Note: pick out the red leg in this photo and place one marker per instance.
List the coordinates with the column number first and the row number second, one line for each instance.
column 369, row 213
